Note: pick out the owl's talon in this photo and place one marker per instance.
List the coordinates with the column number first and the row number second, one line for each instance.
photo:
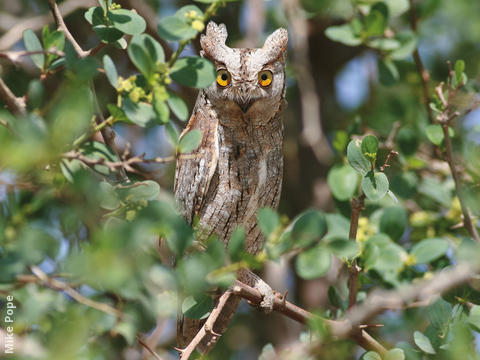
column 268, row 296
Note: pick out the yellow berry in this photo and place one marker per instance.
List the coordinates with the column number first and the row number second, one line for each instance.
column 198, row 25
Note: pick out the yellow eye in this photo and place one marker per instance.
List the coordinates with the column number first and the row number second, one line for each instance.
column 265, row 78
column 223, row 77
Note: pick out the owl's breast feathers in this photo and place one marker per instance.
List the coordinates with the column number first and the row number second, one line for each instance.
column 195, row 171
column 234, row 172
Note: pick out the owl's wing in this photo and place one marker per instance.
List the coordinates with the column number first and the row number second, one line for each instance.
column 195, row 170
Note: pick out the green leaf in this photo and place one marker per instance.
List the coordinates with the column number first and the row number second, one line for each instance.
column 308, row 227
column 95, row 16
column 408, row 43
column 35, row 94
column 194, row 71
column 343, row 34
column 343, row 181
column 376, row 20
column 383, row 255
column 236, row 244
column 110, row 71
column 430, row 249
column 439, row 314
column 118, row 113
column 393, row 222
column 162, row 111
column 343, row 248
column 140, row 113
column 395, row 354
column 55, row 39
column 356, row 158
column 333, row 297
column 178, row 106
column 384, row 44
column 197, row 306
column 173, row 28
column 127, row 21
column 434, row 133
column 107, row 34
column 407, row 140
column 313, row 263
column 190, row 141
column 474, row 318
column 340, row 141
column 439, row 191
column 33, row 44
column 397, row 7
column 109, row 199
column 145, row 52
column 459, row 68
column 371, row 355
column 268, row 221
column 423, row 343
column 370, row 146
column 387, row 72
column 375, row 185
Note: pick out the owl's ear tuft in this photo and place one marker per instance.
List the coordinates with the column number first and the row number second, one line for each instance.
column 275, row 45
column 213, row 42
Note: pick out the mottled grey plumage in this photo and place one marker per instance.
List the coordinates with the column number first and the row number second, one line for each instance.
column 238, row 165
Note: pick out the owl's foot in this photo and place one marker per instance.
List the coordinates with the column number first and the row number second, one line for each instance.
column 268, row 296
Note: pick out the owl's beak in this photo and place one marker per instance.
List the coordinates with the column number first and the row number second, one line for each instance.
column 245, row 104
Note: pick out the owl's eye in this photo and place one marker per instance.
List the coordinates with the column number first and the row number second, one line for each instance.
column 265, row 78
column 223, row 77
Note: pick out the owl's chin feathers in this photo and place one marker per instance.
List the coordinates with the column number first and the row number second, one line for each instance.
column 245, row 105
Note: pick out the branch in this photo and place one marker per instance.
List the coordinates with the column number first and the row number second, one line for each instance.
column 467, row 219
column 337, row 327
column 37, row 22
column 114, row 165
column 59, row 285
column 423, row 291
column 357, row 206
column 424, row 75
column 57, row 16
column 207, row 328
column 312, row 133
column 14, row 104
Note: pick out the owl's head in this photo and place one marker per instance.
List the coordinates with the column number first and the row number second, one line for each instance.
column 250, row 82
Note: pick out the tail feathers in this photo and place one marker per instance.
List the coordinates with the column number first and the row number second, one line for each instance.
column 188, row 328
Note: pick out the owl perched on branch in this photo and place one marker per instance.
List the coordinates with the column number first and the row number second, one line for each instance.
column 239, row 164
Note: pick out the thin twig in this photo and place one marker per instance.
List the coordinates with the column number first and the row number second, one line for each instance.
column 145, row 345
column 207, row 327
column 15, row 32
column 57, row 16
column 357, row 205
column 126, row 164
column 14, row 56
column 59, row 285
column 387, row 160
column 467, row 219
column 14, row 104
column 424, row 74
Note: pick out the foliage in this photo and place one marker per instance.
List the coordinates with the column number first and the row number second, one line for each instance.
column 80, row 220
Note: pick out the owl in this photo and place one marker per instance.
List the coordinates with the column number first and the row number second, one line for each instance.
column 238, row 167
